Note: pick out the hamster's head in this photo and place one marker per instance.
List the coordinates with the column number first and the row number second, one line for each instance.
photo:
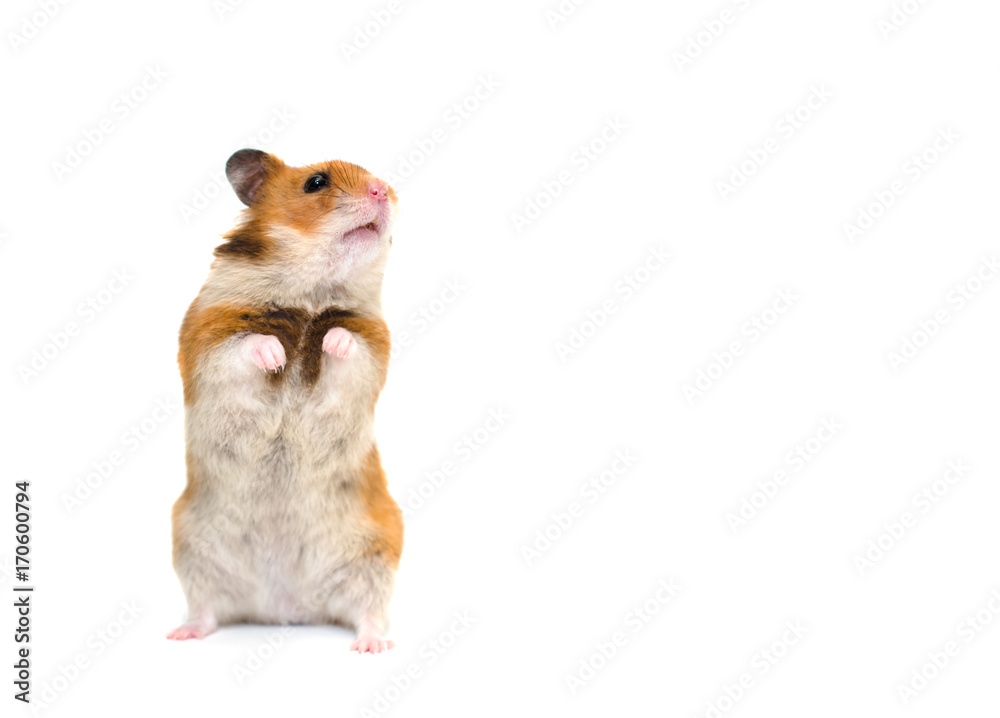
column 326, row 223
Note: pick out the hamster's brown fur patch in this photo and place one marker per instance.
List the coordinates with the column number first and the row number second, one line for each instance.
column 205, row 328
column 249, row 241
column 373, row 331
column 382, row 511
column 300, row 334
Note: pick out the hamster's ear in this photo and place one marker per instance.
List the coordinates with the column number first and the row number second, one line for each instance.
column 247, row 170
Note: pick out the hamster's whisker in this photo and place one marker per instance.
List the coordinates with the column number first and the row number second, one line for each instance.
column 320, row 216
column 343, row 191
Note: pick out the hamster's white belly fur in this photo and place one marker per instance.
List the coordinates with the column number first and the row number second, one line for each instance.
column 280, row 513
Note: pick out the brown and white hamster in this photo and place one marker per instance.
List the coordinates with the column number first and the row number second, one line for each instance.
column 286, row 517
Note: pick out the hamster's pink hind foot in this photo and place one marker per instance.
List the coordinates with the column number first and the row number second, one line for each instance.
column 198, row 628
column 370, row 639
column 371, row 644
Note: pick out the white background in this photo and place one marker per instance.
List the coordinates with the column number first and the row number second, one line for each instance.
column 525, row 290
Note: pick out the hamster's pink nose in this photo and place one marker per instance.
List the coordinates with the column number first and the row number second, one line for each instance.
column 378, row 190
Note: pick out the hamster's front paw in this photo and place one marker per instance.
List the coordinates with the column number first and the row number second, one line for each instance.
column 265, row 351
column 339, row 342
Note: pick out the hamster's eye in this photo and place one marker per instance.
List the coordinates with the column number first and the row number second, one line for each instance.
column 317, row 182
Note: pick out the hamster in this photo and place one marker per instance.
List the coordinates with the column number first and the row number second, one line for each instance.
column 286, row 517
